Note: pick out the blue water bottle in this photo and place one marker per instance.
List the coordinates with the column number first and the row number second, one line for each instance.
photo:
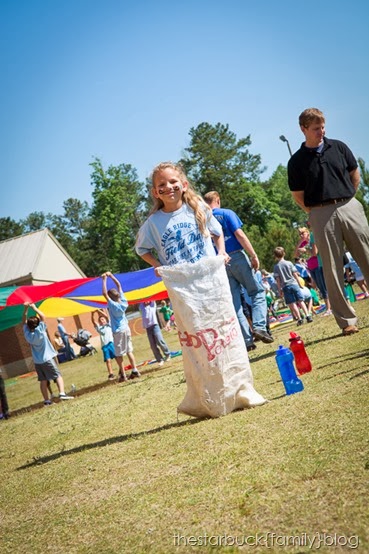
column 284, row 359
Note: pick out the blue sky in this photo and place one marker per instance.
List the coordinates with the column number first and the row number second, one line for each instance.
column 125, row 80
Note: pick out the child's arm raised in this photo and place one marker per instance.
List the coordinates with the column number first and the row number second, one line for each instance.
column 115, row 281
column 40, row 314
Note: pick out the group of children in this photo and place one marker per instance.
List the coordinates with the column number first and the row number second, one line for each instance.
column 181, row 228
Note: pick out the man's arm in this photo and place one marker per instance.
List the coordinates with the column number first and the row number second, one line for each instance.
column 247, row 246
column 355, row 178
column 298, row 196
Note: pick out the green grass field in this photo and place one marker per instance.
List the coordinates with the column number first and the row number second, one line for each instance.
column 116, row 471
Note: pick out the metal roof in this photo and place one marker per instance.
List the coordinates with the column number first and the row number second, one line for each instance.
column 21, row 256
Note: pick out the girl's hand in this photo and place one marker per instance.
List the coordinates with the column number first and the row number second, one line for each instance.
column 156, row 271
column 227, row 258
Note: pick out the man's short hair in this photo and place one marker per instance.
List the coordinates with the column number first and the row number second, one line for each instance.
column 309, row 116
column 211, row 196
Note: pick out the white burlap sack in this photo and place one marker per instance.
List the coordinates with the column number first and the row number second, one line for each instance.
column 215, row 359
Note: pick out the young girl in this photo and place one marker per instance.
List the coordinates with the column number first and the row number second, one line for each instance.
column 180, row 229
column 181, row 226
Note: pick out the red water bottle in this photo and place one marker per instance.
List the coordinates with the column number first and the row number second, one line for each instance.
column 302, row 362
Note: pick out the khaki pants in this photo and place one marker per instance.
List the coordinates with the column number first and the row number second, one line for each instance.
column 335, row 225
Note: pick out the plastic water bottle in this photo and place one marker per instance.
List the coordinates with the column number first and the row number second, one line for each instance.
column 284, row 359
column 73, row 388
column 302, row 362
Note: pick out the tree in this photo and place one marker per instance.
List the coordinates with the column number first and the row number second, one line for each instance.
column 363, row 192
column 217, row 160
column 285, row 210
column 117, row 198
column 10, row 228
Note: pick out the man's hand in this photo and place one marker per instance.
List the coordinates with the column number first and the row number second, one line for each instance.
column 255, row 264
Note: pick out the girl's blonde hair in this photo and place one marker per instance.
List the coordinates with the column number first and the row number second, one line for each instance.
column 189, row 196
column 304, row 230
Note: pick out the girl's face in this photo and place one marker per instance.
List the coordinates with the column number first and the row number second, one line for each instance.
column 169, row 188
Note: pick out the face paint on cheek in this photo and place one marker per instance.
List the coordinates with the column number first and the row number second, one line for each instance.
column 176, row 188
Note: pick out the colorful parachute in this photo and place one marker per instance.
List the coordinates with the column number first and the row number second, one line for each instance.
column 77, row 296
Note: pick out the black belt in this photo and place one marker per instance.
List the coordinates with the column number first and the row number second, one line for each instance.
column 327, row 202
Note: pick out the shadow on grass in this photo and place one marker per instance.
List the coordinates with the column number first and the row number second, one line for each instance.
column 106, row 442
column 87, row 390
column 358, row 355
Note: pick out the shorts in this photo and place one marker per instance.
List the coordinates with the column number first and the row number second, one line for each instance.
column 292, row 293
column 123, row 342
column 108, row 351
column 47, row 371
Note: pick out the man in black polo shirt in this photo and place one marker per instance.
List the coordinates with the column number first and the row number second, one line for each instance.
column 323, row 177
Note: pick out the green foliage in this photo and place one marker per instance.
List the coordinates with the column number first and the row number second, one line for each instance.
column 102, row 237
column 217, row 160
column 10, row 228
column 285, row 212
column 117, row 197
column 363, row 192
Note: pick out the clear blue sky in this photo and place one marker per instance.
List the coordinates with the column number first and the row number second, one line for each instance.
column 125, row 80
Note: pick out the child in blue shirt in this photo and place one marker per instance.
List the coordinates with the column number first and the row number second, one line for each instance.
column 117, row 305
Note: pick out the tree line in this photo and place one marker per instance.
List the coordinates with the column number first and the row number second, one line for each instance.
column 100, row 237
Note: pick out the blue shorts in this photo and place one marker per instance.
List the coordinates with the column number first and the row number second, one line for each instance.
column 108, row 351
column 292, row 293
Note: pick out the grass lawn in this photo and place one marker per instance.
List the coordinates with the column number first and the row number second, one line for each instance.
column 116, row 471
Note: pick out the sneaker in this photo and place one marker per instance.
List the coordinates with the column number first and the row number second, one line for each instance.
column 161, row 363
column 122, row 379
column 328, row 312
column 111, row 376
column 47, row 402
column 350, row 330
column 309, row 319
column 300, row 322
column 135, row 374
column 263, row 336
column 167, row 357
column 251, row 347
column 65, row 397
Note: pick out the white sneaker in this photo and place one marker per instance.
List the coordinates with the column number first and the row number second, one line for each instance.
column 65, row 397
column 167, row 357
column 161, row 363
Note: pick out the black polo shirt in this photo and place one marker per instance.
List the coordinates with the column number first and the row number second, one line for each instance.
column 322, row 176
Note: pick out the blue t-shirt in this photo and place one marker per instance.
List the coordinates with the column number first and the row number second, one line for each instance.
column 42, row 349
column 117, row 312
column 230, row 222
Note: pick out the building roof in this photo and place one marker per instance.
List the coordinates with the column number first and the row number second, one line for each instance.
column 35, row 258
